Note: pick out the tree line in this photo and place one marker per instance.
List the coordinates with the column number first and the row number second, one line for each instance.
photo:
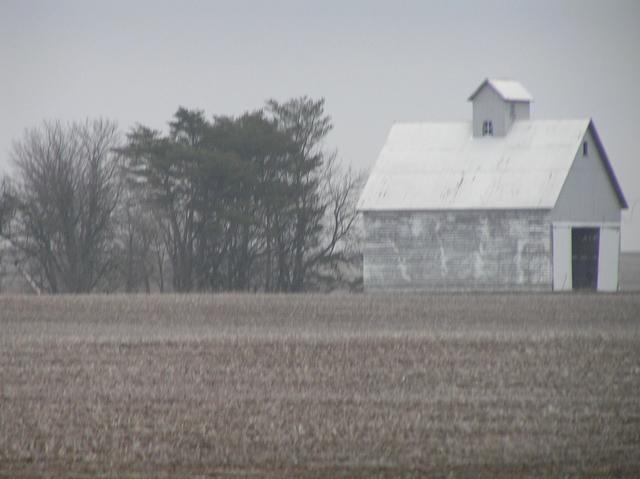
column 247, row 203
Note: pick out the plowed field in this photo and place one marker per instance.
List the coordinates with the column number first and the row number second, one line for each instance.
column 316, row 386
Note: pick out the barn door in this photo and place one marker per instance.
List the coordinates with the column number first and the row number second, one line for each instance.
column 584, row 257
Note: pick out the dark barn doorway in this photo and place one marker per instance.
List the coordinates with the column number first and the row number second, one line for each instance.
column 584, row 257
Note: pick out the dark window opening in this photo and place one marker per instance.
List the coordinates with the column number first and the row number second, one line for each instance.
column 584, row 257
column 585, row 148
column 487, row 128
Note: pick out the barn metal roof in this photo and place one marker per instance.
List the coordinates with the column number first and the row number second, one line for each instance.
column 509, row 90
column 440, row 166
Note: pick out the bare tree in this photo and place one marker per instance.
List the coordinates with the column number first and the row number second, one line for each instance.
column 67, row 188
column 321, row 210
column 339, row 193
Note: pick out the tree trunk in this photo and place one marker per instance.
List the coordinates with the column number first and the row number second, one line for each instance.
column 267, row 272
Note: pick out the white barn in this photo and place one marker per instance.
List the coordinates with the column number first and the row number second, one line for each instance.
column 501, row 202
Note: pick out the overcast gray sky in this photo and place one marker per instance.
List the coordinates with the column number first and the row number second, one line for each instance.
column 374, row 62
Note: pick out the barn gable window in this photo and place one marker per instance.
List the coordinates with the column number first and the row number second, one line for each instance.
column 585, row 149
column 487, row 128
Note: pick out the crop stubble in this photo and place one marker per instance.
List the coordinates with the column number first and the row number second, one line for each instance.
column 480, row 385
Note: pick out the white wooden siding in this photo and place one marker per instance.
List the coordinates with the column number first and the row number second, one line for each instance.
column 587, row 194
column 562, row 273
column 608, row 259
column 608, row 255
column 487, row 105
column 462, row 250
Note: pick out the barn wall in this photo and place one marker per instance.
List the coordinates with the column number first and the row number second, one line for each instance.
column 608, row 258
column 587, row 193
column 608, row 255
column 462, row 250
column 562, row 270
column 587, row 199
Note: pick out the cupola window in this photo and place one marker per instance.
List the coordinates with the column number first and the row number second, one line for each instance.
column 487, row 128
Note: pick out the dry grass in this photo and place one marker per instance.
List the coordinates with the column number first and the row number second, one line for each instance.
column 346, row 386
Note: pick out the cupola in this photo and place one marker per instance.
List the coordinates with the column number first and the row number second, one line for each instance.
column 496, row 105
